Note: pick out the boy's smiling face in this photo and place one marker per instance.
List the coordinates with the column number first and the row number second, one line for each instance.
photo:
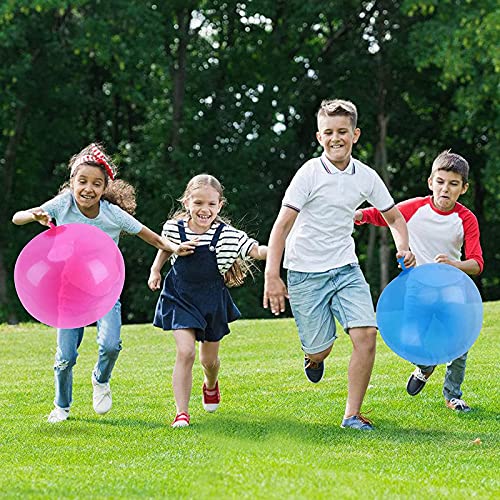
column 337, row 135
column 446, row 188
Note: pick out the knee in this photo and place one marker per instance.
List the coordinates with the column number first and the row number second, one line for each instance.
column 209, row 363
column 111, row 349
column 186, row 355
column 364, row 339
column 320, row 356
column 65, row 361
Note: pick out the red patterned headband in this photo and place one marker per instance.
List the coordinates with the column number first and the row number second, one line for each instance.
column 95, row 156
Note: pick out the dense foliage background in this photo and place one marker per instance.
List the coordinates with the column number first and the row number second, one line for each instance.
column 183, row 87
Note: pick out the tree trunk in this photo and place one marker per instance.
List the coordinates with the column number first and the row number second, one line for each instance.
column 370, row 252
column 479, row 192
column 179, row 78
column 8, row 177
column 381, row 164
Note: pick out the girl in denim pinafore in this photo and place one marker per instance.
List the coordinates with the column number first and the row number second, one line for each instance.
column 195, row 302
column 194, row 294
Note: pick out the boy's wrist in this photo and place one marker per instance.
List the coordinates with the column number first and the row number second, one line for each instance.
column 269, row 275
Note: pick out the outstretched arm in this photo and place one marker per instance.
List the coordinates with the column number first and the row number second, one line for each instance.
column 399, row 230
column 275, row 290
column 185, row 248
column 154, row 279
column 33, row 214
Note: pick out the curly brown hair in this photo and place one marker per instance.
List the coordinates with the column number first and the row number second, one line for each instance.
column 240, row 269
column 117, row 191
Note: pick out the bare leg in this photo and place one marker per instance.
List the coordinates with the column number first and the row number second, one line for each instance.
column 182, row 377
column 209, row 359
column 320, row 356
column 360, row 367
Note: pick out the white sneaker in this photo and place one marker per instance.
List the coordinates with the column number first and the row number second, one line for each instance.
column 102, row 397
column 58, row 415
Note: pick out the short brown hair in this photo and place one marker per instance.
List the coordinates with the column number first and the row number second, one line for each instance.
column 451, row 162
column 336, row 107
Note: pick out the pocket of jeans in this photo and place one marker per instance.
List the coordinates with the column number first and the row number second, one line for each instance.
column 295, row 278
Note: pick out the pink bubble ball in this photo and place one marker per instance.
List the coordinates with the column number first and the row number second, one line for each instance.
column 70, row 275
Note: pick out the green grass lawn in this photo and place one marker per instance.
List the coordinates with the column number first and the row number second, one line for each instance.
column 276, row 435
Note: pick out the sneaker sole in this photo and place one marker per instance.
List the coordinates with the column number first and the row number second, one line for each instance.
column 52, row 421
column 179, row 425
column 101, row 412
column 210, row 407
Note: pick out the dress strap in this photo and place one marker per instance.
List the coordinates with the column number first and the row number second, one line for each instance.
column 182, row 230
column 216, row 236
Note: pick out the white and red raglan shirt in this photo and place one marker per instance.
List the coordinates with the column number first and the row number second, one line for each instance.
column 434, row 232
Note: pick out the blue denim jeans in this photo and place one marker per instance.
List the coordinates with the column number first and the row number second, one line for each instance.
column 455, row 374
column 68, row 342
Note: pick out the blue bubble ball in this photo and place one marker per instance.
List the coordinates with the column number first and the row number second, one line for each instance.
column 430, row 314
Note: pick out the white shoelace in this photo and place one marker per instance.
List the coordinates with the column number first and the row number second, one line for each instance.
column 458, row 402
column 418, row 374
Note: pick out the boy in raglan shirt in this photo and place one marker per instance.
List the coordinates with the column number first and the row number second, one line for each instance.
column 439, row 227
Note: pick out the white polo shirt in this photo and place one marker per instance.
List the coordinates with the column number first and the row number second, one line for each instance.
column 326, row 199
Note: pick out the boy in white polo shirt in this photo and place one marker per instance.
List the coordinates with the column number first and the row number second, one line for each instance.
column 439, row 227
column 314, row 228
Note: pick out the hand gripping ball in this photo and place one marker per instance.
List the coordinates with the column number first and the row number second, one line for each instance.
column 69, row 276
column 430, row 314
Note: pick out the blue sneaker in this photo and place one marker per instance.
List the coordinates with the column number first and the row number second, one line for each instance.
column 313, row 370
column 358, row 422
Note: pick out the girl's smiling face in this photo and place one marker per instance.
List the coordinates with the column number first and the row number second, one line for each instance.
column 203, row 205
column 88, row 185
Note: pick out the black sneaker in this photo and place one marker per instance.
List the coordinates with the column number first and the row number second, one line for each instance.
column 457, row 405
column 313, row 370
column 417, row 381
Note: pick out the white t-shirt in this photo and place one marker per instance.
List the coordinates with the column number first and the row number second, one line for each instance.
column 326, row 199
column 111, row 218
column 232, row 242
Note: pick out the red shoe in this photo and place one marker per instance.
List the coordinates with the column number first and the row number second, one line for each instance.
column 211, row 397
column 181, row 420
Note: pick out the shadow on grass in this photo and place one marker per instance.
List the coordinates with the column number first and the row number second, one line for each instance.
column 122, row 422
column 320, row 434
column 85, row 425
column 254, row 430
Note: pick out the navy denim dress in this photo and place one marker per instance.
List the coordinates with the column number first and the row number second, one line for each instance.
column 194, row 294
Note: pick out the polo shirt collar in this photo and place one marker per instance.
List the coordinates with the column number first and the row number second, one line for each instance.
column 332, row 169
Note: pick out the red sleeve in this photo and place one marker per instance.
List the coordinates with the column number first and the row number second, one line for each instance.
column 472, row 245
column 407, row 209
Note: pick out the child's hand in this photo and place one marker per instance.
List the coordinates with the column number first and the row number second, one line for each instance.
column 275, row 293
column 358, row 215
column 42, row 217
column 408, row 258
column 442, row 258
column 186, row 247
column 154, row 280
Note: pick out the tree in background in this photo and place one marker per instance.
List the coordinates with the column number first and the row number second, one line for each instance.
column 230, row 88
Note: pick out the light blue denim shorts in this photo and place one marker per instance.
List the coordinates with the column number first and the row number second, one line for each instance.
column 317, row 299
